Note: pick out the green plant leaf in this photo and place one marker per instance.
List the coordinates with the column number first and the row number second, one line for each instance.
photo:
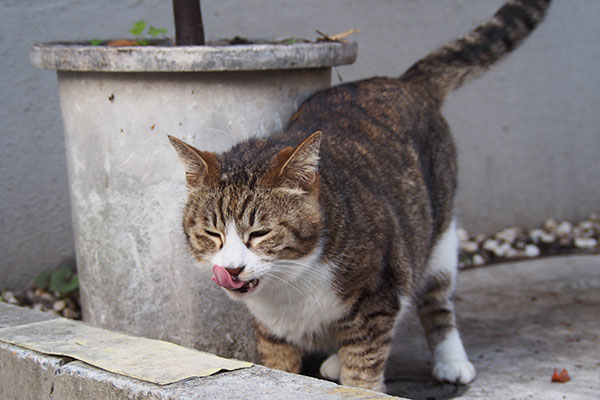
column 154, row 32
column 143, row 42
column 43, row 279
column 63, row 280
column 138, row 28
column 96, row 42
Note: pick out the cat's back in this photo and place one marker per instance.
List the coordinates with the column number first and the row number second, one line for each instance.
column 381, row 101
column 380, row 134
column 377, row 121
column 387, row 159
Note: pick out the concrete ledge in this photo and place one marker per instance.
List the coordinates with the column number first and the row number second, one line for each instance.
column 28, row 374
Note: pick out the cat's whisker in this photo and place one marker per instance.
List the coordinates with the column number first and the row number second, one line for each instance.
column 270, row 274
column 303, row 273
column 312, row 291
column 300, row 277
column 307, row 269
column 310, row 286
column 307, row 272
column 289, row 276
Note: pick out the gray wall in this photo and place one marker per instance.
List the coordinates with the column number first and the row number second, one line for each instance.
column 528, row 131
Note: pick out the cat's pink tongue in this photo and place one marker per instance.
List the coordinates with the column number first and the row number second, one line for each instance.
column 222, row 278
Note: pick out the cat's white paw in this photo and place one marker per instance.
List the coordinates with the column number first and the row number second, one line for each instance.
column 450, row 362
column 331, row 368
column 454, row 371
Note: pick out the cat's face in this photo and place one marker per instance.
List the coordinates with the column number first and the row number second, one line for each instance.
column 252, row 226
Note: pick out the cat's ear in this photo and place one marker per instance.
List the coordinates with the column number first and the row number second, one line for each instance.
column 201, row 167
column 297, row 169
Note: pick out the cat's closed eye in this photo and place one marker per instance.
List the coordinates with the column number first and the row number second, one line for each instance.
column 258, row 234
column 216, row 237
column 212, row 233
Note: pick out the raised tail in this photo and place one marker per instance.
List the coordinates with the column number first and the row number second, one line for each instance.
column 451, row 65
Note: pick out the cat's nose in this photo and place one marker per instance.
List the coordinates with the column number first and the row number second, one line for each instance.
column 235, row 271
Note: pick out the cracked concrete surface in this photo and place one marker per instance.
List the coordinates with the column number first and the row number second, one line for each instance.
column 518, row 321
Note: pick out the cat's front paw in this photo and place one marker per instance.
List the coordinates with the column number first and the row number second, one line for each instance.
column 331, row 367
column 454, row 371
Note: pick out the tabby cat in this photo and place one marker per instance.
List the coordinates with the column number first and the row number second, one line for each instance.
column 330, row 229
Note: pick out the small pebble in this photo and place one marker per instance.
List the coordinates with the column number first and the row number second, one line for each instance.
column 10, row 298
column 539, row 235
column 564, row 229
column 508, row 235
column 550, row 225
column 585, row 243
column 46, row 297
column 490, row 245
column 585, row 225
column 469, row 247
column 59, row 305
column 70, row 313
column 584, row 229
column 480, row 238
column 478, row 260
column 502, row 250
column 531, row 250
column 462, row 234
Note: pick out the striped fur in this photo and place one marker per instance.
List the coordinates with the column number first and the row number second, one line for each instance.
column 346, row 217
column 447, row 68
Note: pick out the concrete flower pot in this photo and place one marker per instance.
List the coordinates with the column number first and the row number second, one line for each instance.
column 127, row 185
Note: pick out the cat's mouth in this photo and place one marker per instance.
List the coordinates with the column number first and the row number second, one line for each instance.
column 248, row 287
column 224, row 279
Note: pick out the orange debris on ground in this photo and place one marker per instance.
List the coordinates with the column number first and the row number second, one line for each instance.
column 562, row 377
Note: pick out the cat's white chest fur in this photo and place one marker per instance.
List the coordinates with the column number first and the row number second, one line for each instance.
column 300, row 310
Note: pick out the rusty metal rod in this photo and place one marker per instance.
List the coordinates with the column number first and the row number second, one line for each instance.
column 189, row 30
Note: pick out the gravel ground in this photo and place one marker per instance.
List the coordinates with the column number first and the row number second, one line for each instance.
column 62, row 305
column 509, row 244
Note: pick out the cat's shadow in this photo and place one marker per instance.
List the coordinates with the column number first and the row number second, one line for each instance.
column 416, row 382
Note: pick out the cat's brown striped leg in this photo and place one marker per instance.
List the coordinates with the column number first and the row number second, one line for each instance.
column 364, row 344
column 436, row 311
column 277, row 353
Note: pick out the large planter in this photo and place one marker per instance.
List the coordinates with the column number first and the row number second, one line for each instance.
column 128, row 187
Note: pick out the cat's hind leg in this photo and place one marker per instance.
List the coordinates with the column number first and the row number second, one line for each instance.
column 436, row 311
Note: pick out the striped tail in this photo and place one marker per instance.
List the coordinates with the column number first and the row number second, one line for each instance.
column 450, row 66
